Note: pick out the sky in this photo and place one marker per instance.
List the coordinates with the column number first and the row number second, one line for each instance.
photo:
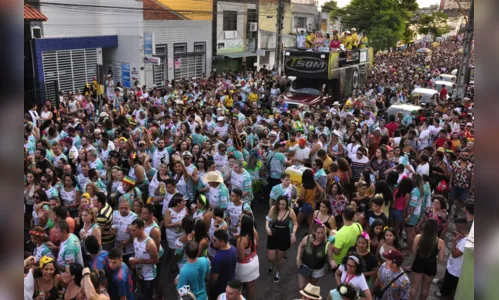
column 422, row 3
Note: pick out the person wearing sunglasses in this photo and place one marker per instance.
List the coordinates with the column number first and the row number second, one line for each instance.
column 351, row 271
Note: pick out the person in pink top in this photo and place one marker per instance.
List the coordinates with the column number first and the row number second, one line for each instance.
column 335, row 43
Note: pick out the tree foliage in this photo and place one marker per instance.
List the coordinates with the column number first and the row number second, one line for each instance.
column 330, row 6
column 385, row 21
column 434, row 24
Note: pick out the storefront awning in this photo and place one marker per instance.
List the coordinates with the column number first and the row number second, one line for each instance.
column 238, row 54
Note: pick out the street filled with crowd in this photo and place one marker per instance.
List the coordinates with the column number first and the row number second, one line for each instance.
column 213, row 179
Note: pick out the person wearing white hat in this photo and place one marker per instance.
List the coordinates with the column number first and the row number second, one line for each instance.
column 218, row 193
column 335, row 110
column 221, row 128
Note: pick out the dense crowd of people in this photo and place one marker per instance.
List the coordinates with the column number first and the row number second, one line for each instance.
column 147, row 179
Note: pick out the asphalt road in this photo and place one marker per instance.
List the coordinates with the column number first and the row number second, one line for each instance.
column 266, row 288
column 287, row 287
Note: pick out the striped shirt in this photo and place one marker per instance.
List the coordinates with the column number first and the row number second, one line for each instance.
column 105, row 221
column 359, row 165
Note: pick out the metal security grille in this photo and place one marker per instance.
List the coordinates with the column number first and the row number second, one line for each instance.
column 192, row 65
column 159, row 72
column 71, row 68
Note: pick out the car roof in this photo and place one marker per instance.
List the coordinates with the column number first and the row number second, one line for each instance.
column 424, row 91
column 409, row 107
column 444, row 82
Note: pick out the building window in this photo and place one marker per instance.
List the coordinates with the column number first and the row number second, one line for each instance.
column 159, row 72
column 230, row 20
column 199, row 47
column 301, row 22
column 181, row 48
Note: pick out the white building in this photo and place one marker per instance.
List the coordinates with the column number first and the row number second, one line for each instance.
column 184, row 46
column 81, row 34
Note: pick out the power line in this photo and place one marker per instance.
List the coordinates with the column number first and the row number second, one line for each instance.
column 127, row 9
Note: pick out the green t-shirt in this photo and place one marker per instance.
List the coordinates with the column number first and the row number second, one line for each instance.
column 70, row 251
column 345, row 238
column 276, row 162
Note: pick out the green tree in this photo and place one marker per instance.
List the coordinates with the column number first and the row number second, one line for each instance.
column 330, row 6
column 383, row 20
column 434, row 24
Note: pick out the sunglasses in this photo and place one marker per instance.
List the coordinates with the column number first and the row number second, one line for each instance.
column 200, row 161
column 36, row 197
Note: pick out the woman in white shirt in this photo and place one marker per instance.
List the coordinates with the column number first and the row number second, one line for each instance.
column 351, row 271
column 46, row 114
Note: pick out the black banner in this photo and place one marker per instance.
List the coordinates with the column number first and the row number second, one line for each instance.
column 307, row 64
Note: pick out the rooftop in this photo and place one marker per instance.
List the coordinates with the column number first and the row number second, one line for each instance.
column 33, row 14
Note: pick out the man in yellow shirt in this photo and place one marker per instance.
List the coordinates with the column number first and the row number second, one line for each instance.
column 355, row 38
column 253, row 96
column 347, row 40
column 364, row 41
column 310, row 40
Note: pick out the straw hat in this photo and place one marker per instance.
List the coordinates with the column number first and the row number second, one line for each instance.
column 213, row 176
column 311, row 292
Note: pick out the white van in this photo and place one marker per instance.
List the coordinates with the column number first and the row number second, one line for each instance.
column 426, row 94
column 448, row 85
column 447, row 77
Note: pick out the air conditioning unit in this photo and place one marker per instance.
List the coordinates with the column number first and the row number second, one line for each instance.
column 253, row 26
column 36, row 32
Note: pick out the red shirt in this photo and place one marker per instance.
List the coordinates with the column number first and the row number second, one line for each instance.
column 440, row 142
column 392, row 127
column 443, row 93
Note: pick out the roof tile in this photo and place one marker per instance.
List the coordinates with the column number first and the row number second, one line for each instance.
column 156, row 11
column 33, row 14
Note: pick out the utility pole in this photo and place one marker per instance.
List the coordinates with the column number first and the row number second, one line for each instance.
column 462, row 75
column 278, row 44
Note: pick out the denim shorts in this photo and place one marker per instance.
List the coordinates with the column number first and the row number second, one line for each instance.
column 397, row 215
column 306, row 209
column 459, row 193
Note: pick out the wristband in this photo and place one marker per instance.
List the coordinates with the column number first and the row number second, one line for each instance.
column 86, row 274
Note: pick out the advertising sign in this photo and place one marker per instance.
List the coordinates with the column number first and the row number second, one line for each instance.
column 148, row 44
column 307, row 64
column 352, row 55
column 152, row 60
column 229, row 46
column 125, row 75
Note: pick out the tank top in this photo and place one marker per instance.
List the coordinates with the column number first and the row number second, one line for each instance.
column 53, row 294
column 147, row 230
column 283, row 222
column 249, row 254
column 88, row 233
column 211, row 232
column 314, row 256
column 431, row 259
column 181, row 185
column 132, row 174
column 326, row 223
column 68, row 198
column 175, row 218
column 146, row 272
column 28, row 195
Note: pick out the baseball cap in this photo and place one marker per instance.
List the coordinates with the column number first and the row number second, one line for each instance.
column 97, row 131
column 396, row 256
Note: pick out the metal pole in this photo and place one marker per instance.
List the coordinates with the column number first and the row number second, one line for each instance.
column 465, row 59
column 280, row 17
